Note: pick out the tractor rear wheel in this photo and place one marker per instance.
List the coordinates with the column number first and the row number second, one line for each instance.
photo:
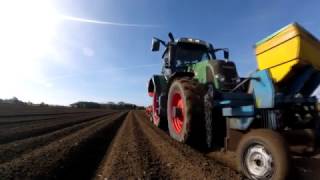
column 185, row 111
column 263, row 154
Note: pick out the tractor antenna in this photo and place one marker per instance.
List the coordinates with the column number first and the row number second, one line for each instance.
column 171, row 37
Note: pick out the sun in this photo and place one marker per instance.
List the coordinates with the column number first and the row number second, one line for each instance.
column 27, row 31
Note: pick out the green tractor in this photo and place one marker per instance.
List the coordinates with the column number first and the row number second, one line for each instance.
column 180, row 94
column 201, row 101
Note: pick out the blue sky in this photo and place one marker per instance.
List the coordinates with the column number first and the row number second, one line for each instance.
column 94, row 61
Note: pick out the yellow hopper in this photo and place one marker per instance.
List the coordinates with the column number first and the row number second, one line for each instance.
column 290, row 46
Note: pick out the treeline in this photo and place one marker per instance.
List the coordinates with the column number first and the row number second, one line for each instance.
column 81, row 104
column 16, row 101
column 110, row 105
column 13, row 100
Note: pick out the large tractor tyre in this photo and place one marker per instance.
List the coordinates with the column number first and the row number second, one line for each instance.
column 156, row 118
column 185, row 112
column 263, row 154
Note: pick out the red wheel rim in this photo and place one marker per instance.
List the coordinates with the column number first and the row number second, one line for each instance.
column 177, row 104
column 155, row 108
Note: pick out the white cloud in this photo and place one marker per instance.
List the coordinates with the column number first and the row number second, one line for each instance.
column 94, row 21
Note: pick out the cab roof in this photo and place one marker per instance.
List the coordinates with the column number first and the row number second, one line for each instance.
column 194, row 41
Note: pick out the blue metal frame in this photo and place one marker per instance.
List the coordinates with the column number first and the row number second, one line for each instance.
column 239, row 108
column 239, row 123
column 239, row 117
column 241, row 111
column 263, row 89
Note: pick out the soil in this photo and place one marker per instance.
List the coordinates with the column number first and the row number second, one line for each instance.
column 60, row 148
column 66, row 143
column 142, row 151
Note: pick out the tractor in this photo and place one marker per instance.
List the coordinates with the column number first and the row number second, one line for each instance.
column 201, row 100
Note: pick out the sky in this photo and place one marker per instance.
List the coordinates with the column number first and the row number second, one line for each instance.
column 64, row 51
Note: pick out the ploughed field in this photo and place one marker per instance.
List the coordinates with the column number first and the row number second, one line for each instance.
column 66, row 143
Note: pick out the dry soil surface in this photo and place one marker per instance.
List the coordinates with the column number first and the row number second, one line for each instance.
column 98, row 144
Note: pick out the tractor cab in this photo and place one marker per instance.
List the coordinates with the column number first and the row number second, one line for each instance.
column 188, row 51
column 181, row 53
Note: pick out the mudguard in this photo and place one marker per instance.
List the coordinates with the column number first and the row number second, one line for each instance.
column 158, row 83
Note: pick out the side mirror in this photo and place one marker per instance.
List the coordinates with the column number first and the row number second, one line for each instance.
column 226, row 54
column 155, row 45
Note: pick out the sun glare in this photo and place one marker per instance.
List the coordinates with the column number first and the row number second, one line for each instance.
column 27, row 30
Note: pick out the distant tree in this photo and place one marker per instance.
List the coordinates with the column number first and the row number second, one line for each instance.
column 29, row 103
column 13, row 100
column 109, row 105
column 42, row 104
column 83, row 104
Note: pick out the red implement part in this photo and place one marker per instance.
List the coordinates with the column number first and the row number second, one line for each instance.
column 149, row 110
column 155, row 108
column 151, row 94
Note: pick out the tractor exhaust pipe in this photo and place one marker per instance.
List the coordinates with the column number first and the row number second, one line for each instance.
column 171, row 37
